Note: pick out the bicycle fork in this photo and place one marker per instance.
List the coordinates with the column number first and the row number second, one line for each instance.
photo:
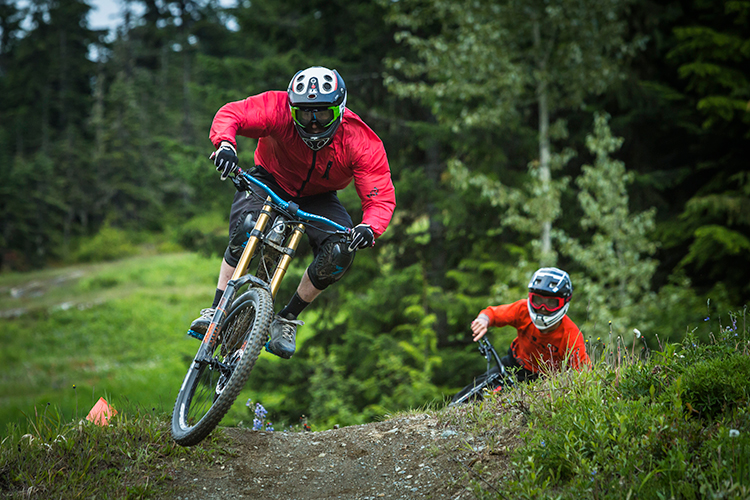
column 240, row 276
column 287, row 251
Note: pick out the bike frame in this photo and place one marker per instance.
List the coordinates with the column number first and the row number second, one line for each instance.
column 488, row 351
column 219, row 371
column 245, row 182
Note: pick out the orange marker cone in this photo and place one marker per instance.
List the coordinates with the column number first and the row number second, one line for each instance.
column 101, row 413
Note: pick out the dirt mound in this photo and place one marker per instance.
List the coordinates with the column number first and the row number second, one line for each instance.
column 408, row 457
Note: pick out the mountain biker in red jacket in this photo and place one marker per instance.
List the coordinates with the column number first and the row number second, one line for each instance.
column 546, row 336
column 309, row 146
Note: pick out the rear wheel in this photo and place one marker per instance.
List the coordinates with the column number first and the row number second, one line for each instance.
column 215, row 379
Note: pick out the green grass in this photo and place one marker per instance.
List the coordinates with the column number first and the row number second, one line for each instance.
column 74, row 334
column 667, row 423
column 674, row 425
column 133, row 457
column 116, row 328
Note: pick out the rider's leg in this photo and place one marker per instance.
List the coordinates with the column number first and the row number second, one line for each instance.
column 199, row 325
column 225, row 274
column 329, row 265
column 283, row 330
column 240, row 225
column 511, row 364
column 241, row 222
column 306, row 293
column 306, row 290
column 330, row 262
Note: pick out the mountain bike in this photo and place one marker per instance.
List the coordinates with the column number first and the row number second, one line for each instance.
column 492, row 380
column 239, row 328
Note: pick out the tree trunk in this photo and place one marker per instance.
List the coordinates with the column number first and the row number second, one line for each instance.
column 546, row 257
column 97, row 118
column 187, row 119
column 436, row 252
column 45, row 125
column 163, row 80
column 544, row 170
column 186, row 115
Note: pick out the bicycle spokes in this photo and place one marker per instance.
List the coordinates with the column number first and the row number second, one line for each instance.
column 216, row 368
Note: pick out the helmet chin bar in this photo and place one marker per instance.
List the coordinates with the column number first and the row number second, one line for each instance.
column 316, row 144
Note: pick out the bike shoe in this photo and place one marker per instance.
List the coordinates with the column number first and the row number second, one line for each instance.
column 283, row 337
column 199, row 327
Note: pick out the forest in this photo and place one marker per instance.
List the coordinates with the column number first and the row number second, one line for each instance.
column 606, row 137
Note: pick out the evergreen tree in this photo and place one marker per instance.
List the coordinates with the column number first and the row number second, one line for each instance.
column 616, row 255
column 483, row 65
column 10, row 35
column 713, row 53
column 47, row 82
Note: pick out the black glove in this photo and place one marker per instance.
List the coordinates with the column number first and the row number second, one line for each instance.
column 225, row 159
column 362, row 237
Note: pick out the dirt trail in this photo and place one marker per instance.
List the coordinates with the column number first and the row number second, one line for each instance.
column 409, row 457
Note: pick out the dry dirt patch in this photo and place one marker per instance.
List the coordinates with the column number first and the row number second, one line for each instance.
column 410, row 457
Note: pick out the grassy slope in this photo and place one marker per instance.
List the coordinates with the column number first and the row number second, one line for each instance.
column 113, row 329
column 676, row 426
column 642, row 430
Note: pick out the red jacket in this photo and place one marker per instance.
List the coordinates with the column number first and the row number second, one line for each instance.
column 532, row 347
column 355, row 152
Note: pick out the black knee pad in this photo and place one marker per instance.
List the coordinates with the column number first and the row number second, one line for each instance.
column 331, row 263
column 239, row 237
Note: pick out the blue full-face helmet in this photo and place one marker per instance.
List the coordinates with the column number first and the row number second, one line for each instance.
column 550, row 290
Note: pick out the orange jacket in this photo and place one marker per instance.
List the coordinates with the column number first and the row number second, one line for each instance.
column 531, row 347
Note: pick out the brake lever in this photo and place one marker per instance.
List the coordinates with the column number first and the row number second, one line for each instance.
column 240, row 184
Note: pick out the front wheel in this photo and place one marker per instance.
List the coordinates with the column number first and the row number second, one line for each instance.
column 217, row 374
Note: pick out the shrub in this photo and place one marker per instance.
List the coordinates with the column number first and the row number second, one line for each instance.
column 206, row 234
column 717, row 385
column 110, row 243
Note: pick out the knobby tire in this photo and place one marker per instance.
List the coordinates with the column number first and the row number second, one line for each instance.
column 206, row 393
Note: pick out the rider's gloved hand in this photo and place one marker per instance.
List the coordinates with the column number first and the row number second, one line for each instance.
column 362, row 237
column 225, row 159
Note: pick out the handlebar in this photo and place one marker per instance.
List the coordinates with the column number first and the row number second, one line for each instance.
column 288, row 206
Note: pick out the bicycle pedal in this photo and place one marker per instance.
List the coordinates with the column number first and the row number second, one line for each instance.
column 195, row 335
column 268, row 349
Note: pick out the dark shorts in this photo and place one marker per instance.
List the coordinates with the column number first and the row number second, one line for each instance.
column 522, row 374
column 325, row 204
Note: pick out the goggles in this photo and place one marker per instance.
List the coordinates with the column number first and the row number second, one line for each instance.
column 550, row 304
column 324, row 116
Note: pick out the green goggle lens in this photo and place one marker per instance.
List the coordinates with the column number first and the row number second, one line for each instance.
column 305, row 116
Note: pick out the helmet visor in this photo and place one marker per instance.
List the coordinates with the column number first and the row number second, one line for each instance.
column 324, row 116
column 547, row 303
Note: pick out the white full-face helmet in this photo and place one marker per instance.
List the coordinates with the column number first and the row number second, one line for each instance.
column 550, row 290
column 317, row 94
